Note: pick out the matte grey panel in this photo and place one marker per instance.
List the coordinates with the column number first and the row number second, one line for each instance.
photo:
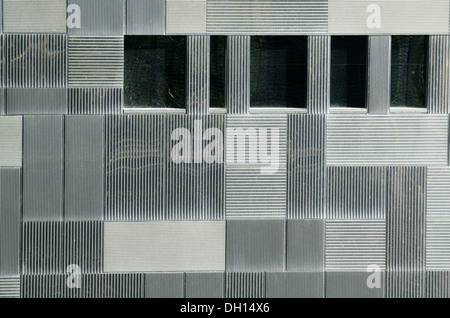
column 84, row 167
column 379, row 75
column 255, row 245
column 245, row 285
column 125, row 285
column 198, row 48
column 237, row 96
column 352, row 285
column 163, row 285
column 43, row 168
column 437, row 285
column 10, row 141
column 295, row 285
column 319, row 47
column 186, row 16
column 10, row 287
column 146, row 17
column 28, row 101
column 438, row 90
column 2, row 97
column 95, row 101
column 99, row 17
column 305, row 245
column 48, row 286
column 405, row 284
column 205, row 285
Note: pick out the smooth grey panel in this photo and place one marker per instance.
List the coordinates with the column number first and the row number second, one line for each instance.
column 438, row 90
column 126, row 285
column 245, row 285
column 2, row 96
column 305, row 245
column 255, row 245
column 198, row 47
column 237, row 96
column 319, row 47
column 205, row 285
column 43, row 168
column 295, row 285
column 379, row 75
column 9, row 287
column 186, row 16
column 84, row 167
column 146, row 17
column 28, row 101
column 405, row 284
column 99, row 17
column 352, row 285
column 10, row 141
column 95, row 101
column 162, row 285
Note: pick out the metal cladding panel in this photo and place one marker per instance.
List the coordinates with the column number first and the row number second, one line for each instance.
column 388, row 17
column 98, row 17
column 356, row 193
column 28, row 101
column 84, row 167
column 95, row 61
column 306, row 169
column 378, row 140
column 237, row 82
column 379, row 75
column 405, row 284
column 295, row 285
column 205, row 285
column 255, row 245
column 48, row 286
column 164, row 246
column 254, row 187
column 124, row 285
column 9, row 287
column 352, row 285
column 438, row 91
column 10, row 217
column 186, row 16
column 267, row 17
column 146, row 17
column 305, row 245
column 35, row 60
column 245, row 285
column 162, row 285
column 437, row 285
column 10, row 141
column 30, row 16
column 198, row 47
column 95, row 101
column 2, row 97
column 43, row 168
column 319, row 47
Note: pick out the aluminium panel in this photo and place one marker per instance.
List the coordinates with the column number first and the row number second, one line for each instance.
column 205, row 285
column 10, row 141
column 437, row 284
column 405, row 284
column 295, row 285
column 237, row 84
column 438, row 90
column 164, row 285
column 245, row 285
column 186, row 16
column 48, row 286
column 319, row 48
column 10, row 287
column 198, row 47
column 146, row 17
column 95, row 101
column 36, row 101
column 123, row 285
column 354, row 285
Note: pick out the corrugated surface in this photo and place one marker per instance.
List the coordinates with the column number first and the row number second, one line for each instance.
column 162, row 285
column 267, row 17
column 43, row 161
column 35, row 60
column 437, row 284
column 10, row 141
column 205, row 285
column 186, row 16
column 252, row 191
column 352, row 285
column 126, row 285
column 164, row 246
column 28, row 101
column 146, row 17
column 405, row 284
column 48, row 286
column 84, row 167
column 245, row 285
column 95, row 101
column 306, row 167
column 438, row 74
column 319, row 47
column 198, row 74
column 295, row 285
column 379, row 74
column 10, row 287
column 361, row 140
column 95, row 61
column 30, row 16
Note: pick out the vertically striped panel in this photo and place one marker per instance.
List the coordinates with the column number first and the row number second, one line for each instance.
column 319, row 47
column 198, row 74
column 245, row 285
column 377, row 140
column 250, row 190
column 356, row 192
column 437, row 285
column 164, row 285
column 95, row 62
column 146, row 17
column 306, row 167
column 39, row 101
column 95, row 101
column 267, row 17
column 405, row 284
column 238, row 75
column 186, row 16
column 354, row 245
column 127, row 285
column 10, row 287
column 42, row 248
column 43, row 168
column 35, row 60
column 438, row 74
column 48, row 286
column 10, row 141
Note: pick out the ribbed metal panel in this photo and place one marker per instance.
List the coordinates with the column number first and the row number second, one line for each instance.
column 2, row 96
column 43, row 168
column 127, row 285
column 84, row 167
column 30, row 16
column 437, row 285
column 237, row 95
column 379, row 74
column 438, row 92
column 319, row 47
column 295, row 285
column 205, row 285
column 35, row 60
column 146, row 17
column 10, row 287
column 198, row 74
column 245, row 285
column 45, row 101
column 48, row 286
column 267, row 17
column 10, row 141
column 95, row 62
column 306, row 167
column 356, row 193
column 164, row 285
column 186, row 16
column 352, row 285
column 405, row 284
column 95, row 101
column 250, row 192
column 377, row 140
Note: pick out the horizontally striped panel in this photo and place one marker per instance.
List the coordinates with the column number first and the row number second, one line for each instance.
column 438, row 74
column 319, row 47
column 306, row 167
column 35, row 60
column 405, row 284
column 438, row 193
column 437, row 284
column 95, row 61
column 267, row 17
column 245, row 285
column 127, row 285
column 95, row 101
column 354, row 245
column 11, row 141
column 198, row 74
column 378, row 140
column 438, row 243
column 9, row 287
column 356, row 192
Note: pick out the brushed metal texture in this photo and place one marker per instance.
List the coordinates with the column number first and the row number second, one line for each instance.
column 164, row 285
column 352, row 285
column 10, row 141
column 245, row 285
column 295, row 285
column 205, row 285
column 146, row 17
column 379, row 74
column 36, row 101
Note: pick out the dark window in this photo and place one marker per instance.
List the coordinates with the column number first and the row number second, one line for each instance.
column 278, row 76
column 408, row 70
column 154, row 74
column 217, row 71
column 348, row 71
